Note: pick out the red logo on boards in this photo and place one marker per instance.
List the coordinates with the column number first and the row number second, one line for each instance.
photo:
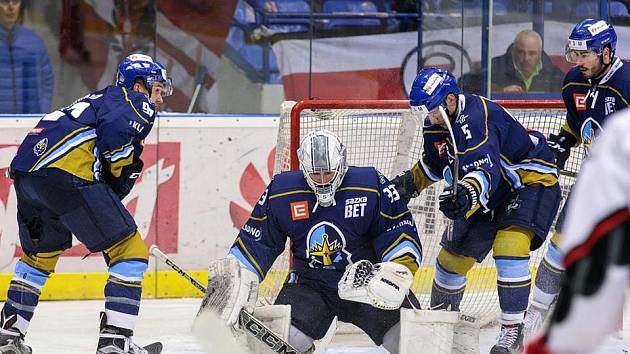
column 299, row 210
column 580, row 101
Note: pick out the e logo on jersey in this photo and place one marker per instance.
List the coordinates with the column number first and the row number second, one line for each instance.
column 299, row 210
column 326, row 246
column 580, row 101
column 40, row 147
column 441, row 146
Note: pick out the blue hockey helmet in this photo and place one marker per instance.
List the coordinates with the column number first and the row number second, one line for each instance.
column 590, row 35
column 430, row 88
column 140, row 66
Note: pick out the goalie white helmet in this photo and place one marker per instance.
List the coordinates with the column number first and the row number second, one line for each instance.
column 323, row 161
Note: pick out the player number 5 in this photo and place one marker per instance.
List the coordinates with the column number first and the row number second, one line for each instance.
column 391, row 193
column 466, row 131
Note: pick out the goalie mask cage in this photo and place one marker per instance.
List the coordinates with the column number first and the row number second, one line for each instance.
column 385, row 134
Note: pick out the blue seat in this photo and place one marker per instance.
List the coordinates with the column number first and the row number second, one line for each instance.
column 288, row 24
column 586, row 10
column 357, row 6
column 253, row 54
column 618, row 8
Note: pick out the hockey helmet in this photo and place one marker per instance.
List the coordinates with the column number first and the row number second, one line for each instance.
column 430, row 88
column 322, row 158
column 143, row 67
column 590, row 36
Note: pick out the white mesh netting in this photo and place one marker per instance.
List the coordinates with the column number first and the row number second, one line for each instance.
column 390, row 139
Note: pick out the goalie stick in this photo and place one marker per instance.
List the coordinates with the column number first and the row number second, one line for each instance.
column 247, row 322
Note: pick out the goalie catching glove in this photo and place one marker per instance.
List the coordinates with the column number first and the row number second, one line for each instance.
column 231, row 288
column 382, row 285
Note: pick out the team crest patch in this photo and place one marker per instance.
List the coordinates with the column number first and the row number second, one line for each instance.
column 299, row 210
column 40, row 147
column 326, row 247
column 590, row 128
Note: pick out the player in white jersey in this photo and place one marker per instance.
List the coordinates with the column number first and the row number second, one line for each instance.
column 596, row 247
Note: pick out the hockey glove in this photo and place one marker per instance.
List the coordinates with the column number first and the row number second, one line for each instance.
column 405, row 187
column 122, row 185
column 465, row 199
column 561, row 145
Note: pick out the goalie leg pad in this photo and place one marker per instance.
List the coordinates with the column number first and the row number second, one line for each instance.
column 230, row 289
column 277, row 318
column 427, row 332
column 439, row 332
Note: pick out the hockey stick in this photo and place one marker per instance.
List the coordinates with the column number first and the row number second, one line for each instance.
column 455, row 172
column 250, row 324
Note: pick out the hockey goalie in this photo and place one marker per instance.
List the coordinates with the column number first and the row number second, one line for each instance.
column 354, row 244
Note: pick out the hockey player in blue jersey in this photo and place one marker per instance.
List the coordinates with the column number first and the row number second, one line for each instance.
column 338, row 218
column 597, row 86
column 505, row 199
column 70, row 174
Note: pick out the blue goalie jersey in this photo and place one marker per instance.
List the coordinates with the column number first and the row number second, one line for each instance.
column 589, row 103
column 369, row 221
column 108, row 125
column 497, row 155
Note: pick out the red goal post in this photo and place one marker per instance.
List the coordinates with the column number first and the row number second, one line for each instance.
column 384, row 134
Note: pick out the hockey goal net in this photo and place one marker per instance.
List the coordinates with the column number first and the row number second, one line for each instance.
column 385, row 134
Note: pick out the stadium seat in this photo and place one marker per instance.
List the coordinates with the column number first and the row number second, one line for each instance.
column 288, row 24
column 357, row 6
column 586, row 10
column 618, row 8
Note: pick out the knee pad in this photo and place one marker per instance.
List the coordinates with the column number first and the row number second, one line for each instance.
column 512, row 241
column 454, row 263
column 555, row 238
column 128, row 259
column 45, row 261
column 132, row 247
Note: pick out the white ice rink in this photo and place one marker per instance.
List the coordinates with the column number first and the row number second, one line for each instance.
column 72, row 327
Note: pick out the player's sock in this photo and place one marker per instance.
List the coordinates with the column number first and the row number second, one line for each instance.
column 123, row 292
column 513, row 285
column 548, row 278
column 546, row 288
column 448, row 289
column 23, row 295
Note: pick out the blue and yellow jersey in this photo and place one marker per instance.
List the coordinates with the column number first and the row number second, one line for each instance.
column 109, row 126
column 368, row 221
column 589, row 102
column 497, row 155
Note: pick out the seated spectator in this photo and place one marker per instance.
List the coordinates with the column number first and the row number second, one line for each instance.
column 26, row 77
column 524, row 67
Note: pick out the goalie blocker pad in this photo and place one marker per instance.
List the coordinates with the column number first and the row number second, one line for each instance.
column 231, row 288
column 382, row 285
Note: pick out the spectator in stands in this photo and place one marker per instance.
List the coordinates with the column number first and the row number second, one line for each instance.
column 524, row 67
column 26, row 77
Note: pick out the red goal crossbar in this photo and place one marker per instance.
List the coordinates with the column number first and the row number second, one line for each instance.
column 387, row 104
